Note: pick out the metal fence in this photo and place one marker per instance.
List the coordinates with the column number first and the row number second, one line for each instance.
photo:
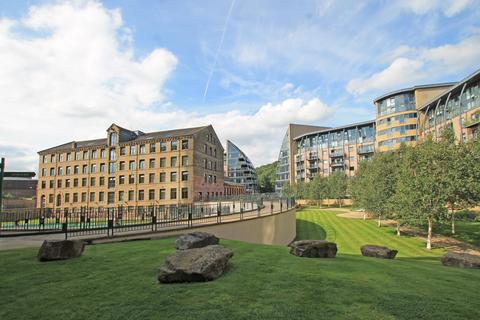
column 115, row 220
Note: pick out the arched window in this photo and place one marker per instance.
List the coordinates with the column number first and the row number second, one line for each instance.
column 113, row 138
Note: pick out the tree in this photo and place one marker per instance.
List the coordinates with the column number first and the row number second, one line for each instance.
column 287, row 190
column 318, row 189
column 421, row 184
column 301, row 191
column 337, row 186
column 266, row 176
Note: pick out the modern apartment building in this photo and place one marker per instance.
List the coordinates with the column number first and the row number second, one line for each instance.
column 402, row 116
column 239, row 170
column 288, row 150
column 397, row 114
column 458, row 107
column 132, row 168
column 336, row 149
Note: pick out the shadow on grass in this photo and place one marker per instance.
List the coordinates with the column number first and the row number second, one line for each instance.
column 307, row 230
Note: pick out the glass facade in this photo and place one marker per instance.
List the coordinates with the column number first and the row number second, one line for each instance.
column 398, row 103
column 283, row 164
column 239, row 168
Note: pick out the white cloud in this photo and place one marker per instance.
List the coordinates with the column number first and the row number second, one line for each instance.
column 68, row 70
column 448, row 7
column 424, row 64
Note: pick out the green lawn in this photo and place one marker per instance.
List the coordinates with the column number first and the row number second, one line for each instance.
column 466, row 231
column 118, row 281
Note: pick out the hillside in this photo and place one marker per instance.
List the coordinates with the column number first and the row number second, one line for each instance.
column 266, row 176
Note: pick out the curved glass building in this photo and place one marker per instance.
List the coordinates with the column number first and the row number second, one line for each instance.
column 239, row 169
column 397, row 114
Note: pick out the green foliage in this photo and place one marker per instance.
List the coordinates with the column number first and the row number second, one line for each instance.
column 118, row 281
column 287, row 190
column 266, row 176
column 337, row 186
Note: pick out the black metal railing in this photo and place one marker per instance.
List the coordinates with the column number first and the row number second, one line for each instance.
column 121, row 219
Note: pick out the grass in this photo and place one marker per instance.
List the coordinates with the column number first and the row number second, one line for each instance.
column 466, row 231
column 118, row 281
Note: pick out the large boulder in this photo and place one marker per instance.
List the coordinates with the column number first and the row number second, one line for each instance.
column 314, row 249
column 370, row 250
column 195, row 240
column 463, row 260
column 195, row 265
column 60, row 249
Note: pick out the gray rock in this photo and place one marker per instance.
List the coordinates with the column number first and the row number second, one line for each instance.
column 463, row 260
column 314, row 249
column 195, row 240
column 370, row 250
column 195, row 265
column 60, row 249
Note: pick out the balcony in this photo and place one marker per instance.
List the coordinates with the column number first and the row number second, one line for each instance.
column 365, row 149
column 312, row 156
column 336, row 154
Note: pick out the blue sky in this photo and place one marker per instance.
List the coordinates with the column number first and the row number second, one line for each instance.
column 74, row 67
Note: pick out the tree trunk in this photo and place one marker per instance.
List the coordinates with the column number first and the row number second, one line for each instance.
column 453, row 221
column 429, row 235
column 340, row 202
column 398, row 228
column 379, row 221
column 364, row 216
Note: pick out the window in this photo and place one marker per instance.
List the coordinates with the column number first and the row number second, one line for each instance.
column 103, row 153
column 131, row 165
column 205, row 148
column 113, row 138
column 184, row 144
column 60, row 171
column 84, row 197
column 122, row 151
column 173, row 176
column 67, row 197
column 184, row 160
column 205, row 163
column 93, row 168
column 173, row 193
column 141, row 164
column 111, row 167
column 120, row 195
column 50, row 198
column 102, row 181
column 162, row 176
column 152, row 147
column 59, row 183
column 122, row 166
column 69, row 156
column 94, row 154
column 142, row 149
column 162, row 194
column 85, row 155
column 184, row 193
column 121, row 180
column 141, row 178
column 151, row 163
column 131, row 195
column 131, row 179
column 75, row 182
column 52, row 172
column 184, row 175
column 92, row 182
column 75, row 197
column 111, row 197
column 44, row 184
column 151, row 194
column 84, row 182
column 173, row 161
column 214, row 179
column 44, row 159
column 61, row 157
column 44, row 172
column 141, row 195
column 101, row 196
column 67, row 183
column 133, row 150
column 163, row 162
column 84, row 169
column 173, row 145
column 52, row 158
column 113, row 155
column 102, row 167
column 77, row 155
column 163, row 146
column 151, row 178
column 92, row 196
column 111, row 182
column 75, row 170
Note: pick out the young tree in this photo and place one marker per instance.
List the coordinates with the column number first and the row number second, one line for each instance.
column 337, row 186
column 287, row 190
column 318, row 189
column 421, row 184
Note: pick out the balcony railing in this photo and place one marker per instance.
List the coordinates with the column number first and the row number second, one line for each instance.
column 336, row 154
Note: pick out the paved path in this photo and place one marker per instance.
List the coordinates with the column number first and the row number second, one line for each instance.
column 17, row 242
